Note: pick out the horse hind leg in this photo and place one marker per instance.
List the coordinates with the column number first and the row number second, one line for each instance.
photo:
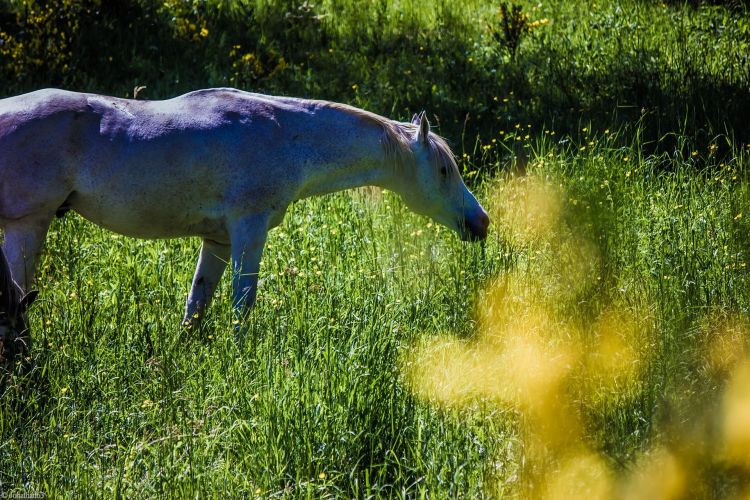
column 22, row 245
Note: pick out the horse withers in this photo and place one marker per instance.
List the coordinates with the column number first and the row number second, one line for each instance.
column 220, row 164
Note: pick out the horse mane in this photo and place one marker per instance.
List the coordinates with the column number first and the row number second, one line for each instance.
column 397, row 138
column 439, row 150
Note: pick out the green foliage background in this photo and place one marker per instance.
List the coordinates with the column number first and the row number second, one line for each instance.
column 671, row 67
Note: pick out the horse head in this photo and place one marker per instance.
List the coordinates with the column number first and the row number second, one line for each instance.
column 14, row 327
column 434, row 186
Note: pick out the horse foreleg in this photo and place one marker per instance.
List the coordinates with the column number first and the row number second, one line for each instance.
column 23, row 243
column 211, row 264
column 248, row 236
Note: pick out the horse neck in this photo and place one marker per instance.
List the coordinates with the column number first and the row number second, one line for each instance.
column 363, row 163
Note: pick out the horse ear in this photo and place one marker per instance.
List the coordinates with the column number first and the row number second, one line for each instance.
column 415, row 119
column 424, row 128
column 27, row 300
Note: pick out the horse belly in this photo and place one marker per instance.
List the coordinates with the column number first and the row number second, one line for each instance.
column 142, row 215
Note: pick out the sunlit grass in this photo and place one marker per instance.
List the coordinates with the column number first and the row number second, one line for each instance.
column 556, row 345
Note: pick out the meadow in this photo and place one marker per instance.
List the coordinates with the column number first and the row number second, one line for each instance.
column 595, row 345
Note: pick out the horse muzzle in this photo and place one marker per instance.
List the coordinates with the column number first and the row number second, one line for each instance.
column 475, row 228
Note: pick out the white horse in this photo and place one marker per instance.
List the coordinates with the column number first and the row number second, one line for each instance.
column 220, row 164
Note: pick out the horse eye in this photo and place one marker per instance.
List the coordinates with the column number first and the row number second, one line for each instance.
column 443, row 171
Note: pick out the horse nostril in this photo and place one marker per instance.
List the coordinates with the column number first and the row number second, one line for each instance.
column 476, row 226
column 484, row 219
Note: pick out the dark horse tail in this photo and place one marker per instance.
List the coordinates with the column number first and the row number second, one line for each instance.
column 10, row 296
column 15, row 340
column 9, row 305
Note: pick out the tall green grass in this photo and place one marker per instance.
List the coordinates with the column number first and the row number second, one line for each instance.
column 315, row 398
